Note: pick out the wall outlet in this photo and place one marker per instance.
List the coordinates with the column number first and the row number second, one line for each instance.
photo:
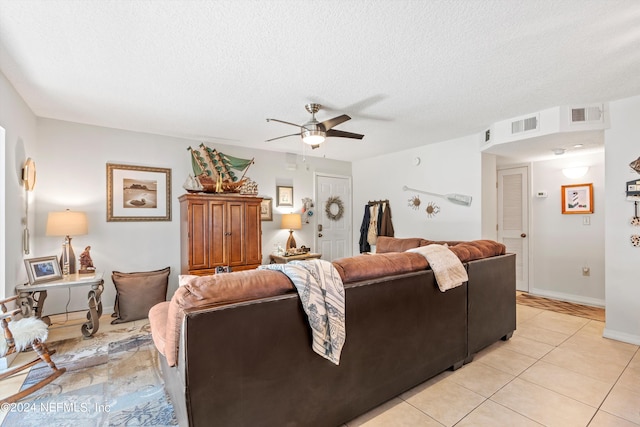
column 586, row 271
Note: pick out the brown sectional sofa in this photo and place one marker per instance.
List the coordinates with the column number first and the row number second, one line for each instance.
column 235, row 348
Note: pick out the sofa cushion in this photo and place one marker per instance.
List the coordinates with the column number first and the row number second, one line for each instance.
column 387, row 244
column 158, row 321
column 219, row 289
column 477, row 249
column 137, row 292
column 363, row 267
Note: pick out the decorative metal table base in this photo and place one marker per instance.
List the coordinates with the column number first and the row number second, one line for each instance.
column 94, row 302
column 31, row 299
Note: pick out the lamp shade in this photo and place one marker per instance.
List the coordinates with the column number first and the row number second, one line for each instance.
column 66, row 223
column 291, row 221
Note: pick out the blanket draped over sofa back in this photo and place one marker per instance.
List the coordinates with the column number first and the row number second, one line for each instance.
column 322, row 296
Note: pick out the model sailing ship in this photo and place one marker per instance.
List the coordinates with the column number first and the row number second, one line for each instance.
column 213, row 171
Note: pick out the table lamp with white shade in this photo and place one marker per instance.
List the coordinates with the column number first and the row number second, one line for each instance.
column 67, row 224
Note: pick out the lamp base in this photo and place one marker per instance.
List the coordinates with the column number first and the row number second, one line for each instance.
column 291, row 242
column 68, row 258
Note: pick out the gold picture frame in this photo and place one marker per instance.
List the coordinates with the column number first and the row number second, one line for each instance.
column 43, row 269
column 266, row 209
column 577, row 199
column 284, row 196
column 138, row 193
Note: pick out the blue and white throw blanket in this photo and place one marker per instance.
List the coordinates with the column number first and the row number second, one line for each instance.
column 322, row 294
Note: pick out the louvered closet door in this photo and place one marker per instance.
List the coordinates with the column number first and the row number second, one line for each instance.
column 513, row 219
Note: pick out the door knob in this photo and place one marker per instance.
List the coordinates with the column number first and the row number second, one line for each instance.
column 319, row 234
column 523, row 235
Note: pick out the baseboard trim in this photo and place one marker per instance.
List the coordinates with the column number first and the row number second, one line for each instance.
column 594, row 302
column 621, row 336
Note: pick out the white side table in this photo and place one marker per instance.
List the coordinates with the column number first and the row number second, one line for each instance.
column 33, row 305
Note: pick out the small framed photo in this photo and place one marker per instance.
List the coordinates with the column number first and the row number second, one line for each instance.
column 266, row 210
column 44, row 269
column 577, row 199
column 285, row 196
column 138, row 193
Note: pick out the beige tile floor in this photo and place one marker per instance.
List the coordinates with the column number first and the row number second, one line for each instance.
column 557, row 370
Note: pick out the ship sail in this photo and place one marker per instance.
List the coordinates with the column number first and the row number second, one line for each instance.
column 214, row 170
column 225, row 164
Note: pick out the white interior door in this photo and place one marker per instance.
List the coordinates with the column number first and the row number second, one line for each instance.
column 333, row 236
column 513, row 219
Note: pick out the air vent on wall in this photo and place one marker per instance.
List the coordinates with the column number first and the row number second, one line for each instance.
column 524, row 125
column 588, row 114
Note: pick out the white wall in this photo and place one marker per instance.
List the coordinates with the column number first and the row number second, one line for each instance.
column 19, row 123
column 622, row 144
column 489, row 197
column 561, row 245
column 447, row 167
column 72, row 162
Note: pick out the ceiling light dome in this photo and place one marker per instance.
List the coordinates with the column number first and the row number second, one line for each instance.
column 313, row 137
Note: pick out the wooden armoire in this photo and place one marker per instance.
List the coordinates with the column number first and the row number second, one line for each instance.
column 219, row 230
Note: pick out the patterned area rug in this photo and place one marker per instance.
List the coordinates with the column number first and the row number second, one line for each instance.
column 113, row 379
column 588, row 312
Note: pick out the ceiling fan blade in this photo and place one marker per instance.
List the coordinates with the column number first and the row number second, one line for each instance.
column 280, row 137
column 328, row 124
column 286, row 123
column 343, row 134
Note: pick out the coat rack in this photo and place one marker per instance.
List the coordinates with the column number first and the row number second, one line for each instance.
column 377, row 202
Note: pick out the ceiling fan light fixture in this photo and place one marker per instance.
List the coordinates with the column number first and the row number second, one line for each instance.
column 313, row 137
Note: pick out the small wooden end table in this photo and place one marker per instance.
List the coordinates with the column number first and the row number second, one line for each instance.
column 281, row 259
column 30, row 304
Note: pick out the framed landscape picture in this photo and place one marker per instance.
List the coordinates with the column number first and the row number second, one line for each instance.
column 577, row 199
column 138, row 193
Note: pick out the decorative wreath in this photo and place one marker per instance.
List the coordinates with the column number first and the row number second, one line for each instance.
column 334, row 200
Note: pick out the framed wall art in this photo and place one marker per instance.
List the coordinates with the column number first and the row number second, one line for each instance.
column 43, row 269
column 285, row 196
column 577, row 199
column 138, row 193
column 266, row 210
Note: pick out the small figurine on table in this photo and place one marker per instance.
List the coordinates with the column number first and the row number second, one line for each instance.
column 86, row 263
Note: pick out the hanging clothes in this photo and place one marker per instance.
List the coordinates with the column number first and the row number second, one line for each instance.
column 364, row 229
column 372, row 235
column 386, row 228
column 380, row 213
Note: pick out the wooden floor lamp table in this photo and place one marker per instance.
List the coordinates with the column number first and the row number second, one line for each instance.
column 31, row 298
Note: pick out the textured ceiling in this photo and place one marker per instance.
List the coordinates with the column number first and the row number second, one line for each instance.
column 409, row 73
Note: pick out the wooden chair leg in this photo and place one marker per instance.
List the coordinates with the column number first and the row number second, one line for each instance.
column 35, row 387
column 13, row 371
column 43, row 355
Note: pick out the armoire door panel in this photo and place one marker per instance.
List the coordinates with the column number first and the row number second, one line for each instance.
column 198, row 233
column 217, row 238
column 235, row 233
column 253, row 233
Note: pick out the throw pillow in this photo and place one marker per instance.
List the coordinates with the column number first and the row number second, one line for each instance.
column 137, row 292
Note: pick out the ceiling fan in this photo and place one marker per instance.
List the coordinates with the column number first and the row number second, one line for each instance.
column 314, row 132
